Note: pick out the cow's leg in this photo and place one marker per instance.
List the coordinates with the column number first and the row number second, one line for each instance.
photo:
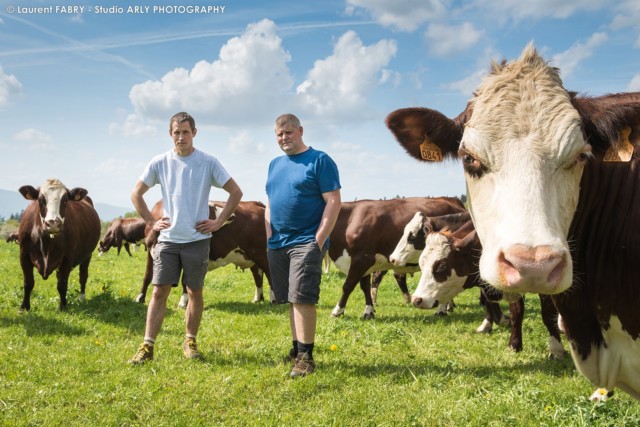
column 550, row 319
column 84, row 276
column 516, row 309
column 184, row 298
column 376, row 278
column 489, row 314
column 356, row 270
column 63, row 283
column 258, row 279
column 365, row 285
column 28, row 283
column 401, row 280
column 126, row 247
column 146, row 280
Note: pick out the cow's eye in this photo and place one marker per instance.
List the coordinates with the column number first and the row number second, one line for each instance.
column 471, row 164
column 584, row 155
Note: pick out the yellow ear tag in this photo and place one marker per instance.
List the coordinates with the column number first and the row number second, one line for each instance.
column 430, row 151
column 622, row 150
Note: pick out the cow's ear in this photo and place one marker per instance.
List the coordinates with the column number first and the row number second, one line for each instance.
column 611, row 124
column 29, row 193
column 427, row 225
column 426, row 134
column 466, row 243
column 77, row 194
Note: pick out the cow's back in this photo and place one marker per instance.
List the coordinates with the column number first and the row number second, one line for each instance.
column 377, row 225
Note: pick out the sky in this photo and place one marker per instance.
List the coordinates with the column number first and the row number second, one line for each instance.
column 87, row 87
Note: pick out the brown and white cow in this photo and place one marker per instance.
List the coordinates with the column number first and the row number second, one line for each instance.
column 366, row 233
column 59, row 230
column 13, row 237
column 241, row 241
column 553, row 182
column 449, row 265
column 122, row 232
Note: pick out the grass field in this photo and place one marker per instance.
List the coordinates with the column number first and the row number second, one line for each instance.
column 405, row 367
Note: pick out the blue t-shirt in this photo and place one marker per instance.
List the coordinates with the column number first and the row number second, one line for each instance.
column 295, row 185
column 185, row 183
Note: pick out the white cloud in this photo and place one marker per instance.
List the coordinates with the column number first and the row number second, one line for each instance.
column 133, row 126
column 337, row 85
column 35, row 140
column 634, row 85
column 445, row 40
column 9, row 88
column 628, row 15
column 569, row 60
column 469, row 84
column 538, row 9
column 406, row 15
column 249, row 78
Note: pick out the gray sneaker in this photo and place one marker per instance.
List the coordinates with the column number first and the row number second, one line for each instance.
column 190, row 349
column 144, row 354
column 304, row 366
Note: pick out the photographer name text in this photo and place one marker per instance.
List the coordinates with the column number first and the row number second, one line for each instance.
column 115, row 10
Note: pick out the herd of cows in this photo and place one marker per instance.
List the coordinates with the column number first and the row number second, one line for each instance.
column 553, row 187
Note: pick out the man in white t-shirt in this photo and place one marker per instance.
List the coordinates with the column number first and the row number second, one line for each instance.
column 186, row 176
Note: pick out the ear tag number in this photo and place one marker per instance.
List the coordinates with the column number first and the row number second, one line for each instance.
column 622, row 150
column 430, row 151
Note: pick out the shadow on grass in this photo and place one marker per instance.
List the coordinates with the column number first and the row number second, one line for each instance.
column 248, row 308
column 37, row 325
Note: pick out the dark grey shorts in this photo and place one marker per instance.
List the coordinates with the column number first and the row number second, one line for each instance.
column 296, row 272
column 191, row 259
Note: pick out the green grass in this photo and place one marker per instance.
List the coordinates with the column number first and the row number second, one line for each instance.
column 405, row 367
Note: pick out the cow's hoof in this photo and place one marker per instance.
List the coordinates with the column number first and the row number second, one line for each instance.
column 440, row 313
column 337, row 311
column 139, row 299
column 184, row 300
column 82, row 298
column 601, row 395
column 406, row 298
column 368, row 316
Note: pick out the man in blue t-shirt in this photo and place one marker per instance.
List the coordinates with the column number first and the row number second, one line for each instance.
column 185, row 175
column 303, row 190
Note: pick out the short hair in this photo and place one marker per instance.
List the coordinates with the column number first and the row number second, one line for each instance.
column 286, row 119
column 181, row 118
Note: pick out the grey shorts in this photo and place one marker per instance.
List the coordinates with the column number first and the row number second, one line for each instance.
column 296, row 272
column 191, row 259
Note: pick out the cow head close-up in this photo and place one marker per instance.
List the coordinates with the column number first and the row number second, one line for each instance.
column 523, row 148
column 52, row 198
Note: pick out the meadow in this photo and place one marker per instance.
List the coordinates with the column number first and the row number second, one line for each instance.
column 405, row 367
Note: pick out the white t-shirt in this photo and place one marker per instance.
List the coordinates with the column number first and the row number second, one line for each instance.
column 185, row 183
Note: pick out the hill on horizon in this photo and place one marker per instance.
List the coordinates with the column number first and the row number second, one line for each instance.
column 12, row 202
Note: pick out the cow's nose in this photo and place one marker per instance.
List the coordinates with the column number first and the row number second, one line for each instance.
column 521, row 264
column 416, row 301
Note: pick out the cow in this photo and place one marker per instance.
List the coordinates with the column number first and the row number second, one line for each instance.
column 13, row 237
column 122, row 232
column 412, row 243
column 561, row 172
column 59, row 230
column 365, row 234
column 449, row 265
column 241, row 241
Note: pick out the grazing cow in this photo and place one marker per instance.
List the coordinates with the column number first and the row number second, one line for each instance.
column 241, row 241
column 552, row 167
column 122, row 231
column 412, row 243
column 449, row 265
column 58, row 231
column 365, row 234
column 13, row 237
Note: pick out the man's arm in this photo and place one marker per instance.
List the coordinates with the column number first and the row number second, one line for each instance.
column 329, row 216
column 235, row 195
column 267, row 221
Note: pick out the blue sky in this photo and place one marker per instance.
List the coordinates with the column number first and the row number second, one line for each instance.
column 86, row 97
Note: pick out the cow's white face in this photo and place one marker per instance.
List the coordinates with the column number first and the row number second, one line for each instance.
column 405, row 251
column 523, row 153
column 438, row 282
column 53, row 196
